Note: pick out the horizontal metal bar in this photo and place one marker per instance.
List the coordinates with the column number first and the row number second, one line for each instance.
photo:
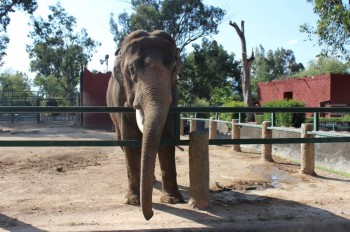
column 64, row 109
column 135, row 143
column 67, row 143
column 259, row 109
column 249, row 125
column 104, row 109
column 278, row 140
column 286, row 129
column 329, row 134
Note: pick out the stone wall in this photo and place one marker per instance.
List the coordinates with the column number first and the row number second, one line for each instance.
column 330, row 155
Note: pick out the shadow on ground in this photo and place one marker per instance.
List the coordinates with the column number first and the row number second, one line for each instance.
column 12, row 224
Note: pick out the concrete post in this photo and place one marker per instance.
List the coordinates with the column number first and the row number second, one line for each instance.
column 266, row 149
column 193, row 125
column 213, row 128
column 307, row 151
column 199, row 169
column 236, row 134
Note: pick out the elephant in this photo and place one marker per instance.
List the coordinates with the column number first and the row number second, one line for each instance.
column 144, row 77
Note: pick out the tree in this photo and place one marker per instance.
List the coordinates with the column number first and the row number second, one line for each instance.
column 185, row 20
column 6, row 7
column 333, row 27
column 209, row 73
column 246, row 65
column 49, row 86
column 273, row 65
column 324, row 65
column 18, row 82
column 58, row 51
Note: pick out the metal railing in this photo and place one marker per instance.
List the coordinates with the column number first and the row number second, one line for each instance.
column 177, row 141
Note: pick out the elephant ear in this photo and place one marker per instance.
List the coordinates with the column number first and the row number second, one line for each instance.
column 177, row 75
column 116, row 72
column 178, row 65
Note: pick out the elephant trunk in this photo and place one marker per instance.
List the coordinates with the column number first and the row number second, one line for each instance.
column 155, row 118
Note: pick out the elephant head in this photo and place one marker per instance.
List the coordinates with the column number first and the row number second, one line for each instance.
column 147, row 66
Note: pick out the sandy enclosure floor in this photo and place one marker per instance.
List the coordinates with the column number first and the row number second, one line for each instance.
column 82, row 189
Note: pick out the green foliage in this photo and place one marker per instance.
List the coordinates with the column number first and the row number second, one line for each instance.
column 16, row 90
column 344, row 118
column 6, row 7
column 198, row 102
column 274, row 65
column 58, row 51
column 324, row 65
column 210, row 73
column 18, row 82
column 229, row 116
column 333, row 27
column 185, row 20
column 285, row 119
column 51, row 86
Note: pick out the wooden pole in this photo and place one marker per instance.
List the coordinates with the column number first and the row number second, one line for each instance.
column 266, row 149
column 199, row 169
column 193, row 125
column 213, row 128
column 236, row 134
column 307, row 151
column 182, row 131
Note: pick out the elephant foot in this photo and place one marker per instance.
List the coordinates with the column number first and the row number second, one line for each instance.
column 171, row 199
column 131, row 199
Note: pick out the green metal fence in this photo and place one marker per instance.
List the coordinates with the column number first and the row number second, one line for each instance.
column 178, row 141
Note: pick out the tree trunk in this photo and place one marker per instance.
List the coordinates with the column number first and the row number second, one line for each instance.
column 246, row 63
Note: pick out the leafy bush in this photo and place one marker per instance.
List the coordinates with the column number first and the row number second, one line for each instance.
column 230, row 116
column 259, row 118
column 285, row 119
column 198, row 102
column 344, row 118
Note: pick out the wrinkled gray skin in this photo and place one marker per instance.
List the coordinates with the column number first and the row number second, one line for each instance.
column 144, row 77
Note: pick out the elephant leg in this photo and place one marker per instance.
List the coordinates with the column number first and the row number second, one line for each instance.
column 133, row 159
column 129, row 131
column 170, row 190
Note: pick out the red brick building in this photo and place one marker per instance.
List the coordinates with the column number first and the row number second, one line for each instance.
column 94, row 88
column 328, row 90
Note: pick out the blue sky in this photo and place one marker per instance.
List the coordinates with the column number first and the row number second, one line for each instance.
column 272, row 23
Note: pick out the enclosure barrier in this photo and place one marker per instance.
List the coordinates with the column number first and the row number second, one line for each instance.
column 307, row 138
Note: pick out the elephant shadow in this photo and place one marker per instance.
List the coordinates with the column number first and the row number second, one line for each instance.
column 237, row 211
column 12, row 224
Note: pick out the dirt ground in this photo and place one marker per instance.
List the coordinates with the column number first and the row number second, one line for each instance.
column 82, row 189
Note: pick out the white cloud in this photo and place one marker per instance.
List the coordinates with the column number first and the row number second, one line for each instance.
column 292, row 42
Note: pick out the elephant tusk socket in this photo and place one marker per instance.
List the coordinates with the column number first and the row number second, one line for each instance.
column 139, row 119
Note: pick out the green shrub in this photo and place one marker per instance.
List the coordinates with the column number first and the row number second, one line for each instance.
column 230, row 116
column 259, row 118
column 199, row 102
column 285, row 119
column 344, row 118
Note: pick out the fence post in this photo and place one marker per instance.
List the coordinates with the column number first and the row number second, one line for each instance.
column 213, row 128
column 236, row 134
column 182, row 131
column 273, row 119
column 307, row 151
column 193, row 126
column 316, row 121
column 266, row 149
column 199, row 169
